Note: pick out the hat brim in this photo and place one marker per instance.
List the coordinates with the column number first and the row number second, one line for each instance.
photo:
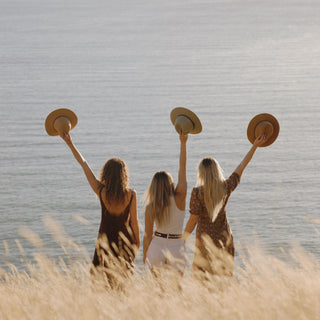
column 51, row 118
column 256, row 120
column 180, row 111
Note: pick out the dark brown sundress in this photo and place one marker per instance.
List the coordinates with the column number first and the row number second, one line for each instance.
column 217, row 232
column 116, row 241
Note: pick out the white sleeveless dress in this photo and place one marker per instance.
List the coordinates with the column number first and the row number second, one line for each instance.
column 163, row 251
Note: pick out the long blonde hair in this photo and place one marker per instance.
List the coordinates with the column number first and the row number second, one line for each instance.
column 115, row 177
column 158, row 196
column 210, row 176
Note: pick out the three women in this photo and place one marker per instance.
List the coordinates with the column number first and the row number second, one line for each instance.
column 165, row 208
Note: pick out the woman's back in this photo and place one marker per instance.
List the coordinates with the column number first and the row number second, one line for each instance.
column 174, row 224
column 116, row 208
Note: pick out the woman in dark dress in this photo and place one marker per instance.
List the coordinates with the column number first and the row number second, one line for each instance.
column 118, row 238
column 214, row 242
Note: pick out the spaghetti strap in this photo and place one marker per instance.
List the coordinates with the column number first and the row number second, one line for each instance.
column 130, row 199
column 100, row 191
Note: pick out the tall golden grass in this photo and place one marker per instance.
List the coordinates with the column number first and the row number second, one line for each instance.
column 263, row 287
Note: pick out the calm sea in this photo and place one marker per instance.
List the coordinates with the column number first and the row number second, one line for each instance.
column 122, row 66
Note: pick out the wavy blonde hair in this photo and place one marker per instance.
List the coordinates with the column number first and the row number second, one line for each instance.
column 158, row 196
column 210, row 176
column 114, row 176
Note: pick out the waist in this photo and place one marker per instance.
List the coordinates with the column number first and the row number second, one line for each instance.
column 167, row 235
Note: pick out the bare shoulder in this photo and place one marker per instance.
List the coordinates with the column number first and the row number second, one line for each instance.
column 131, row 195
column 101, row 186
column 148, row 207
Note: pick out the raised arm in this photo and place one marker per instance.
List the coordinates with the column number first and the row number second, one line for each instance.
column 181, row 188
column 257, row 143
column 93, row 181
column 148, row 232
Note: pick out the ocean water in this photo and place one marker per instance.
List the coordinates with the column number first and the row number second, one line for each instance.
column 122, row 66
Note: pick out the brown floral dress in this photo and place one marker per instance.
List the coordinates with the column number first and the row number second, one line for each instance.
column 217, row 232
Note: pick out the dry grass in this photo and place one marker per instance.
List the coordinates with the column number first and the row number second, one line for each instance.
column 265, row 287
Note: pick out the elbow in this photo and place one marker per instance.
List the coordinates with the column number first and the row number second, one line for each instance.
column 147, row 238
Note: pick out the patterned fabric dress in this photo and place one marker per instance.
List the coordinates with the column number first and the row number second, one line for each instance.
column 218, row 232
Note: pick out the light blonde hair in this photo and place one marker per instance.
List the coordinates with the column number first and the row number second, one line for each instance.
column 210, row 176
column 158, row 196
column 115, row 177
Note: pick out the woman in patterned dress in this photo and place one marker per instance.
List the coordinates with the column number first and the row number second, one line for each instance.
column 214, row 242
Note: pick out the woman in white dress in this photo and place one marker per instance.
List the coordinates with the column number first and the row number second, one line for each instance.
column 165, row 208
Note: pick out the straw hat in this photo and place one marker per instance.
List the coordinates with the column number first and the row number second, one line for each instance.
column 185, row 120
column 59, row 121
column 263, row 123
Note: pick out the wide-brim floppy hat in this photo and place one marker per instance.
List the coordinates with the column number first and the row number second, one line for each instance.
column 185, row 120
column 59, row 121
column 263, row 123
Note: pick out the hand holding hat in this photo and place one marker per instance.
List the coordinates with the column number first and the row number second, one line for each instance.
column 266, row 125
column 60, row 121
column 185, row 121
